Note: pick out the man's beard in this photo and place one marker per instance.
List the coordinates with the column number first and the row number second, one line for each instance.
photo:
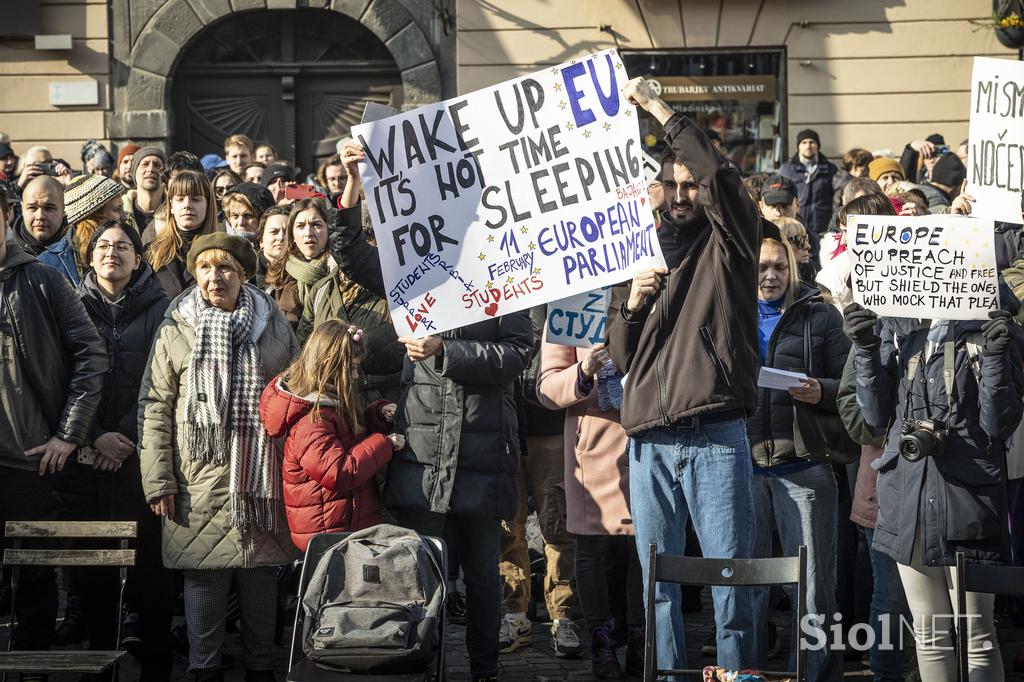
column 696, row 220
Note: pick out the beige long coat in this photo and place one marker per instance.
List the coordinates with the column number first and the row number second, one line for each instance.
column 199, row 535
column 597, row 460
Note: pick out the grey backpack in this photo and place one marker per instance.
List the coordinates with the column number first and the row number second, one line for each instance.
column 374, row 603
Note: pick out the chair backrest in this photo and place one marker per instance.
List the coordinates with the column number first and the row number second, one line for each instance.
column 990, row 579
column 723, row 573
column 726, row 572
column 59, row 530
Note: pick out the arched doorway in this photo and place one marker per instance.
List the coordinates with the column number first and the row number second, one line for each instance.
column 296, row 78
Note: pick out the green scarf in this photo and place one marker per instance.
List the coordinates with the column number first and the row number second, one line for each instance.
column 307, row 273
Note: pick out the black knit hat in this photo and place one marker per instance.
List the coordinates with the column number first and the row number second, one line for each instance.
column 935, row 138
column 949, row 171
column 239, row 247
column 808, row 134
column 258, row 196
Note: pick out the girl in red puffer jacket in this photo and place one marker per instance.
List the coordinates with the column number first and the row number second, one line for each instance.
column 332, row 448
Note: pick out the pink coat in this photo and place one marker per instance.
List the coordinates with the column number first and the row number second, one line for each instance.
column 596, row 456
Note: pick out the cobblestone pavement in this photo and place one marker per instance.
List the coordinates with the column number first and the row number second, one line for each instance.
column 537, row 663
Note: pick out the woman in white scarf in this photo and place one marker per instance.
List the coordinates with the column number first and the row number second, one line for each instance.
column 208, row 467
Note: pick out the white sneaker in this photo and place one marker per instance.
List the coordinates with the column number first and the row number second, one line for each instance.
column 565, row 638
column 515, row 632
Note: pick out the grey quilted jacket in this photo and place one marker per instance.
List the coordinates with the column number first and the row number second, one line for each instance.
column 200, row 536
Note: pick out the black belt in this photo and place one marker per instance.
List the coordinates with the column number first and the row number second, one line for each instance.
column 695, row 421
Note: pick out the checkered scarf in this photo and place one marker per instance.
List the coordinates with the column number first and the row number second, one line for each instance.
column 225, row 380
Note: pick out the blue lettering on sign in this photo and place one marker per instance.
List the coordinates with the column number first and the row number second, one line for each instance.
column 609, row 103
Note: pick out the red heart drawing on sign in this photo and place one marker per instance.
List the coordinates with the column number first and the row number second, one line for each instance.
column 643, row 200
column 491, row 309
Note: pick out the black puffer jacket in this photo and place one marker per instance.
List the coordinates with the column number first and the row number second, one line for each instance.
column 59, row 350
column 958, row 497
column 770, row 428
column 458, row 414
column 457, row 411
column 128, row 340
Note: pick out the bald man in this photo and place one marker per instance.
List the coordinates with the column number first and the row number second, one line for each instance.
column 42, row 221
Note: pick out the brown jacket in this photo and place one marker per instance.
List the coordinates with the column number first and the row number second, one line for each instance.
column 692, row 350
column 596, row 457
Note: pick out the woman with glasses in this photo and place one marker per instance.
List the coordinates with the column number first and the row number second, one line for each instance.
column 223, row 180
column 294, row 274
column 104, row 482
column 795, row 234
column 89, row 201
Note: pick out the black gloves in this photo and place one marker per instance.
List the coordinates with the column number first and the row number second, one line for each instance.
column 859, row 325
column 997, row 332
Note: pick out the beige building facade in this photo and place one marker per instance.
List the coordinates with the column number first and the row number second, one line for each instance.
column 182, row 73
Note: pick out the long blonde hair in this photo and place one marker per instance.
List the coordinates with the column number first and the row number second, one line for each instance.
column 324, row 370
column 794, row 283
column 164, row 248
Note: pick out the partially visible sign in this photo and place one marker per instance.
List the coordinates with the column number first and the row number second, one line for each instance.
column 928, row 267
column 579, row 320
column 714, row 88
column 995, row 155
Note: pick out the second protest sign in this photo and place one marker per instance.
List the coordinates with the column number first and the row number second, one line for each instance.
column 512, row 196
column 929, row 267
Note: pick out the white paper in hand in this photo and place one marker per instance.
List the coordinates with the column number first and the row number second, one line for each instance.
column 779, row 379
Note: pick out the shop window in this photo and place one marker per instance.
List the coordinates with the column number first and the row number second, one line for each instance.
column 738, row 94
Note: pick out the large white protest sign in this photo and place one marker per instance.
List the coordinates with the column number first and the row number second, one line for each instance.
column 995, row 158
column 579, row 320
column 508, row 197
column 929, row 267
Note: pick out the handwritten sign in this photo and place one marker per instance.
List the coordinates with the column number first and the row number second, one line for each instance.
column 579, row 320
column 995, row 158
column 930, row 267
column 508, row 197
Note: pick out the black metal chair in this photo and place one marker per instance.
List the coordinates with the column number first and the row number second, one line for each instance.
column 1008, row 580
column 55, row 661
column 667, row 568
column 301, row 669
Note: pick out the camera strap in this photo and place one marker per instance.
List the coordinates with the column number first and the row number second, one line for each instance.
column 948, row 374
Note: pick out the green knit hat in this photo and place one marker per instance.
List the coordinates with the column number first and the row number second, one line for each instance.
column 239, row 247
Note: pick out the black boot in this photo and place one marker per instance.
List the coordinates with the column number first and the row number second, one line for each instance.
column 602, row 649
column 635, row 652
column 72, row 630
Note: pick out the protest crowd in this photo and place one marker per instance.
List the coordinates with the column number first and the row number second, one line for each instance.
column 205, row 346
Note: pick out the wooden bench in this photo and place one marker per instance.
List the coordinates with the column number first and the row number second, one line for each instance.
column 93, row 662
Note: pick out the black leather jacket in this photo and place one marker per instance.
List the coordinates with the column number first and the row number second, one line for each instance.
column 60, row 353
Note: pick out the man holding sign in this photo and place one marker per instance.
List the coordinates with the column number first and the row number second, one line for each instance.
column 687, row 338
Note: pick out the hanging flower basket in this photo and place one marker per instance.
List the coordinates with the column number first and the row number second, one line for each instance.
column 1007, row 21
column 1011, row 37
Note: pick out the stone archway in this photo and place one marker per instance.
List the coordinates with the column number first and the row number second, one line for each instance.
column 142, row 79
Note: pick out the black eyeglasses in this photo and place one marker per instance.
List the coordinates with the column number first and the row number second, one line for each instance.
column 799, row 241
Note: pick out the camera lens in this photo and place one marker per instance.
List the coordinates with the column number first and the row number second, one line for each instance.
column 913, row 446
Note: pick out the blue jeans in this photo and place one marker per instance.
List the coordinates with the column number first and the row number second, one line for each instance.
column 886, row 599
column 674, row 472
column 803, row 504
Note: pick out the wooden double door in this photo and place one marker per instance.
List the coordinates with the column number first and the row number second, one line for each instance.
column 297, row 79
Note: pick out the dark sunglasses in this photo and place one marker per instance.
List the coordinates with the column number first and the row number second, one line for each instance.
column 798, row 242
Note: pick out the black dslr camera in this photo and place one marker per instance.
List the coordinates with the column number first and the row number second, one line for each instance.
column 922, row 438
